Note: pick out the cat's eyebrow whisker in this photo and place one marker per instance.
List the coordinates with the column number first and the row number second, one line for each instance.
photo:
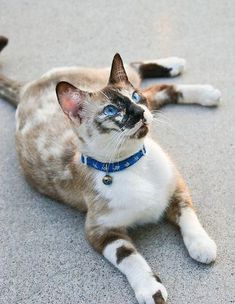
column 89, row 113
column 104, row 95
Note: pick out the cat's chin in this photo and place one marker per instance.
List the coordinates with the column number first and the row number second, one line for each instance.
column 141, row 132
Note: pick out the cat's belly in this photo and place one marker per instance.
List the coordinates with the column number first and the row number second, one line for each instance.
column 141, row 193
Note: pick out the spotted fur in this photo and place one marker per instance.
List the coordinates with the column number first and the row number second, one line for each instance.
column 61, row 116
column 158, row 299
column 123, row 252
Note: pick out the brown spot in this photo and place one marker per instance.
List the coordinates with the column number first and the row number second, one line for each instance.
column 142, row 132
column 123, row 252
column 179, row 200
column 171, row 96
column 153, row 70
column 174, row 210
column 101, row 239
column 157, row 278
column 68, row 155
column 158, row 299
column 81, row 139
column 89, row 131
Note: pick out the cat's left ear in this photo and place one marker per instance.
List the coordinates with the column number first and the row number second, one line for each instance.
column 118, row 73
column 71, row 99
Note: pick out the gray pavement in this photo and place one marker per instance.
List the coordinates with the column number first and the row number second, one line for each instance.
column 44, row 257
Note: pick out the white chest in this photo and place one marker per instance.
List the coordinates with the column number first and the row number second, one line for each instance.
column 140, row 193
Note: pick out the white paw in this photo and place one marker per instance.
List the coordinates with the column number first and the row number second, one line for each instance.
column 201, row 248
column 153, row 293
column 209, row 96
column 176, row 64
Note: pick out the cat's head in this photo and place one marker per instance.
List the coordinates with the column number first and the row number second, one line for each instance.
column 115, row 117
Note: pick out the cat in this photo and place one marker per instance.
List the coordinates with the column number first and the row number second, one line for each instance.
column 82, row 138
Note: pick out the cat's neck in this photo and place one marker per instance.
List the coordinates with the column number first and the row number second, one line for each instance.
column 110, row 153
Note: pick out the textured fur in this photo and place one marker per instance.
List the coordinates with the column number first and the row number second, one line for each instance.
column 51, row 135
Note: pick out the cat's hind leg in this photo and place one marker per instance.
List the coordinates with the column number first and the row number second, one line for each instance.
column 163, row 94
column 165, row 67
column 118, row 249
column 181, row 212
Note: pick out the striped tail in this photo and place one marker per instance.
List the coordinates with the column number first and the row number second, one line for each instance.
column 9, row 89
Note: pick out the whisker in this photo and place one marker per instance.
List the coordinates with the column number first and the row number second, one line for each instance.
column 169, row 125
column 107, row 98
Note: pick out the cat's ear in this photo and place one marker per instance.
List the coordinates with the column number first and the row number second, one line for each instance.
column 118, row 73
column 71, row 99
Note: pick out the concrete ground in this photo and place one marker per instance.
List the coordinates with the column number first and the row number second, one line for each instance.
column 44, row 257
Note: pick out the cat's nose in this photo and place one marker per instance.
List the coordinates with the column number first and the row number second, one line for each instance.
column 138, row 112
column 135, row 114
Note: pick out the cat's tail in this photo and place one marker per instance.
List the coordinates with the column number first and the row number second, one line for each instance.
column 9, row 89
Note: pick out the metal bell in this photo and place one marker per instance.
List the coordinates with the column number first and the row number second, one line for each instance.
column 107, row 179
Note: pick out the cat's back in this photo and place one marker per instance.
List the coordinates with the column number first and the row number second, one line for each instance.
column 38, row 101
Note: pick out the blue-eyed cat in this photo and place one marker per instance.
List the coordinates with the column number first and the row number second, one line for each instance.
column 82, row 137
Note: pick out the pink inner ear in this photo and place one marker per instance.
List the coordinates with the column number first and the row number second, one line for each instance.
column 70, row 98
column 69, row 105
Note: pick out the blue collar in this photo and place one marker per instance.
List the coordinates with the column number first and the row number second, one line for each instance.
column 113, row 167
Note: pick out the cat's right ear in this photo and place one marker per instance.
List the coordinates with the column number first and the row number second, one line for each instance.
column 71, row 99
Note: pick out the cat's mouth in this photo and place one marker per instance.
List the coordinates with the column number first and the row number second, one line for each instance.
column 141, row 131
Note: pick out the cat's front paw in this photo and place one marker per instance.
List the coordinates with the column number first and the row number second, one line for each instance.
column 209, row 96
column 202, row 249
column 151, row 294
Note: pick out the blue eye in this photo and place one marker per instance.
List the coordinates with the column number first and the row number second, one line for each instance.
column 110, row 110
column 136, row 97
